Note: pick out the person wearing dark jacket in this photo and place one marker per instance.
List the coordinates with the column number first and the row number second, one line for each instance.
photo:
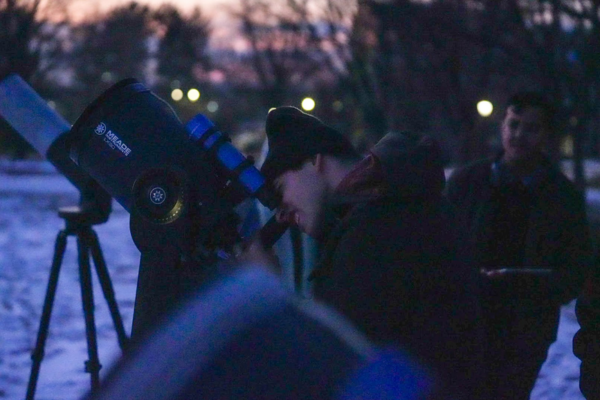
column 530, row 239
column 392, row 260
column 586, row 342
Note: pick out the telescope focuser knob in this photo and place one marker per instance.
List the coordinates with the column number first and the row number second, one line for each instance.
column 160, row 195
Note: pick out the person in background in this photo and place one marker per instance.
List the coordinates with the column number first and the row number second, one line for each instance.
column 530, row 240
column 586, row 342
column 391, row 258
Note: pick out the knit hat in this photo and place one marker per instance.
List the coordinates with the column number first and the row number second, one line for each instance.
column 295, row 136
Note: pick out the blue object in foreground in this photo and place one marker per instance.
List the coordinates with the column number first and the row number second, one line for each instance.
column 246, row 337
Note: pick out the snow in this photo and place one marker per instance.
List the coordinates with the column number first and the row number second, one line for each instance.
column 29, row 224
column 30, row 196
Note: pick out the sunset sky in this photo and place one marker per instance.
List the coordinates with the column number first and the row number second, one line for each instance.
column 213, row 8
column 222, row 25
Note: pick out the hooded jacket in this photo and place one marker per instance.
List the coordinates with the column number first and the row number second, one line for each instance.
column 393, row 263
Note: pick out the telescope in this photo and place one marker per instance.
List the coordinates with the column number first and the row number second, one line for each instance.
column 179, row 182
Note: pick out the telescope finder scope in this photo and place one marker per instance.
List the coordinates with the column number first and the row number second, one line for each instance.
column 230, row 162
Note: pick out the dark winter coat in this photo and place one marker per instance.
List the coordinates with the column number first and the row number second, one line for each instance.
column 586, row 343
column 549, row 232
column 393, row 263
column 557, row 235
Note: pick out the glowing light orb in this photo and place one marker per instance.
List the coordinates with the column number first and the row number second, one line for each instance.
column 107, row 77
column 212, row 106
column 308, row 104
column 193, row 95
column 177, row 94
column 338, row 106
column 485, row 108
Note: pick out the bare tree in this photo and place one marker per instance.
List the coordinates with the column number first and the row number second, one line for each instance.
column 183, row 44
column 18, row 28
column 30, row 36
column 294, row 45
column 111, row 48
column 30, row 45
column 579, row 71
column 182, row 56
column 437, row 58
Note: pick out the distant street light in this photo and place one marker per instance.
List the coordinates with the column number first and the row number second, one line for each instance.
column 177, row 94
column 193, row 95
column 107, row 77
column 485, row 108
column 212, row 106
column 308, row 104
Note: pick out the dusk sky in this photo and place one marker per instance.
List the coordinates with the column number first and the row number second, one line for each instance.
column 187, row 5
column 215, row 9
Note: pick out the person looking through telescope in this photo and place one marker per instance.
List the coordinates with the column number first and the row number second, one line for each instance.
column 391, row 259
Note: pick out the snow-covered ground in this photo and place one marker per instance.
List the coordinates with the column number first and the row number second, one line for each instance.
column 29, row 224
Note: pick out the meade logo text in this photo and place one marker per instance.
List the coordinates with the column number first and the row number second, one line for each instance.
column 112, row 139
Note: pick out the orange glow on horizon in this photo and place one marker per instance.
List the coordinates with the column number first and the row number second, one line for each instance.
column 82, row 10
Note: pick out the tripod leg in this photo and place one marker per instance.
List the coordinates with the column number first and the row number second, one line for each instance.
column 87, row 296
column 38, row 353
column 107, row 288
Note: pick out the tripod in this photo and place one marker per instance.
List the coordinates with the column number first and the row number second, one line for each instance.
column 79, row 224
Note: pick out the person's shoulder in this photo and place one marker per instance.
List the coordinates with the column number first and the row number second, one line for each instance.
column 398, row 214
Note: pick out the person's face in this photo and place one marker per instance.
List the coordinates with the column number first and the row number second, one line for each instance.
column 303, row 196
column 523, row 134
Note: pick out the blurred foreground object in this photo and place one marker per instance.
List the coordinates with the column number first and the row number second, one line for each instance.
column 245, row 337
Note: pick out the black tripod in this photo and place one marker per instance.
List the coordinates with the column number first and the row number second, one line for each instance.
column 78, row 223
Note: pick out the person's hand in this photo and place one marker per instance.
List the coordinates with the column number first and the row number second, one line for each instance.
column 494, row 274
column 516, row 273
column 254, row 253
